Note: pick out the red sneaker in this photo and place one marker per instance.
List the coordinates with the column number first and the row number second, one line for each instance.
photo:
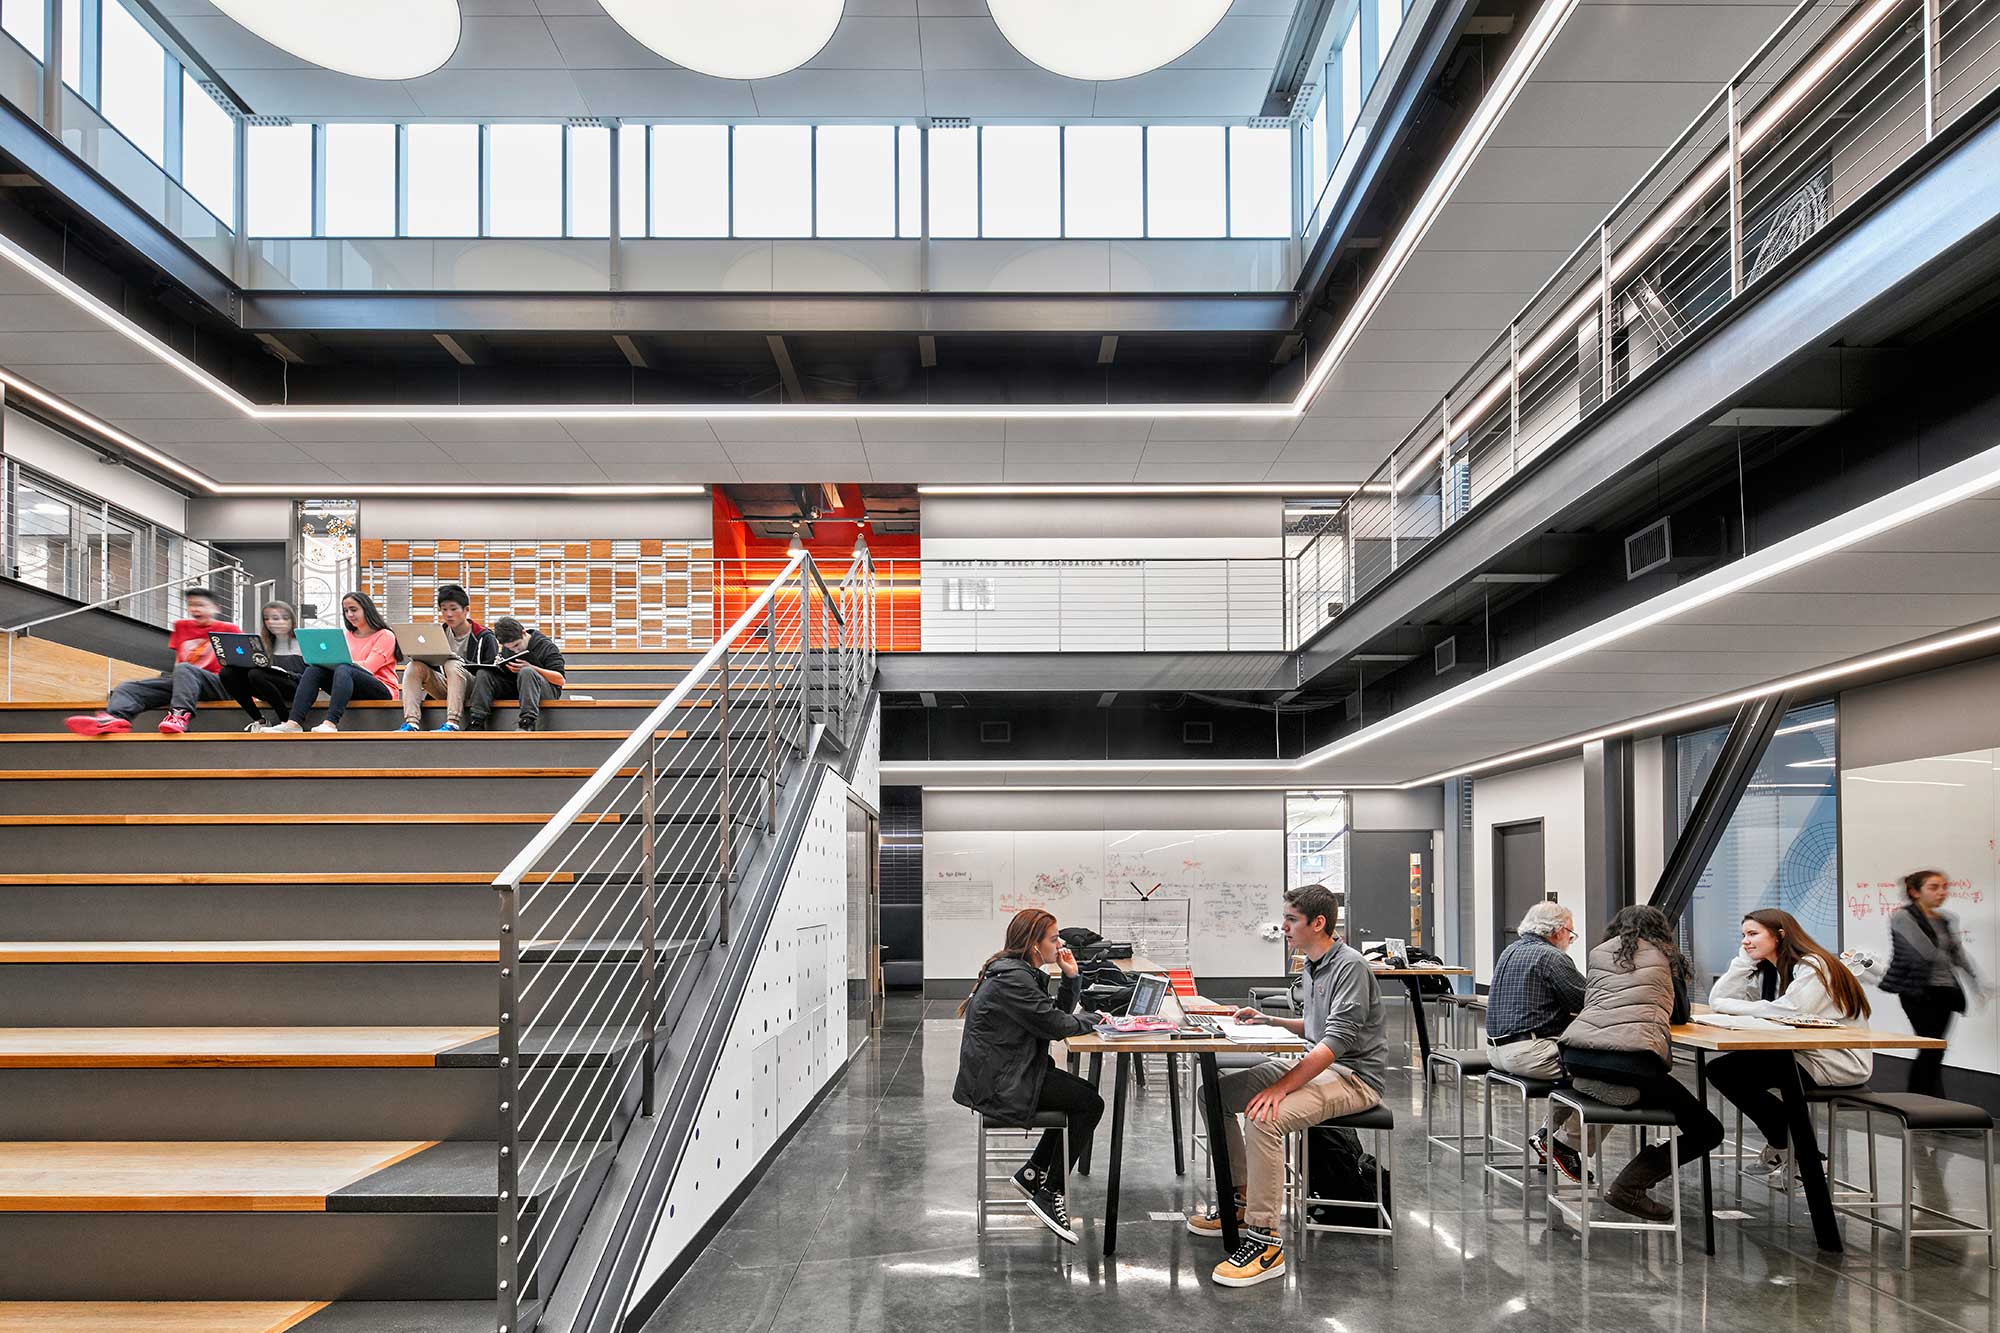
column 96, row 724
column 176, row 721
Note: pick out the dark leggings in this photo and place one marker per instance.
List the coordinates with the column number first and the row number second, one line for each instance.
column 1065, row 1092
column 1930, row 1012
column 1748, row 1077
column 1700, row 1131
column 342, row 683
column 247, row 685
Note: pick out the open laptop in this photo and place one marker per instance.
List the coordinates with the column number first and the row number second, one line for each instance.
column 244, row 650
column 323, row 647
column 1148, row 995
column 423, row 643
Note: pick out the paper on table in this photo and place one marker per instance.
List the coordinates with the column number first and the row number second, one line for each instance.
column 1738, row 1022
column 1262, row 1034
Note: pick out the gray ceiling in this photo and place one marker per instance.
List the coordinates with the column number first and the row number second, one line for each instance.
column 888, row 59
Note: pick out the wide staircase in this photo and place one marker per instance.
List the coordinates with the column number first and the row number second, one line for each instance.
column 277, row 1050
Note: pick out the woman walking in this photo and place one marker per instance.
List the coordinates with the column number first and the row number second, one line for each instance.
column 1928, row 970
column 1004, row 1069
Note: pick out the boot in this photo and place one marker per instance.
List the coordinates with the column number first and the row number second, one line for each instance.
column 1628, row 1193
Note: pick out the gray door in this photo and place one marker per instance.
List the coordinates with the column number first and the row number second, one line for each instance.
column 1518, row 877
column 1379, row 905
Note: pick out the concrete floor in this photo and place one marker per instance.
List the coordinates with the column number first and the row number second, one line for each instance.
column 865, row 1222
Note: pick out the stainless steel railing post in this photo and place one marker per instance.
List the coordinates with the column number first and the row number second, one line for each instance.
column 722, row 803
column 771, row 723
column 1733, row 110
column 649, row 941
column 1933, row 34
column 507, row 1211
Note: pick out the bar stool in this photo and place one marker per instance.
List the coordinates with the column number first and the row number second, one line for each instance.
column 1463, row 1065
column 997, row 1133
column 1916, row 1114
column 1379, row 1123
column 1531, row 1090
column 1583, row 1214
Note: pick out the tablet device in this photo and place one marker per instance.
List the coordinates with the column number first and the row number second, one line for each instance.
column 323, row 647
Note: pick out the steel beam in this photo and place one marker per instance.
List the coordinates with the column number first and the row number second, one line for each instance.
column 1750, row 733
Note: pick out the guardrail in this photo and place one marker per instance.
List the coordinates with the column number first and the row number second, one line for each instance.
column 1842, row 95
column 609, row 913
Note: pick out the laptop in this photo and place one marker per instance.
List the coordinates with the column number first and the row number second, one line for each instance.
column 1148, row 995
column 423, row 643
column 323, row 647
column 243, row 650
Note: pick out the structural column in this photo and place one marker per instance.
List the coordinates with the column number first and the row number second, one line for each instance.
column 1607, row 830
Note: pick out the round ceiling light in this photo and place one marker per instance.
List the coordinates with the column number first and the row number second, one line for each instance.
column 731, row 39
column 1105, row 39
column 370, row 39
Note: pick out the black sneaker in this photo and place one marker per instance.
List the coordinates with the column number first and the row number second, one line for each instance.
column 1258, row 1259
column 1539, row 1141
column 1569, row 1161
column 527, row 722
column 1047, row 1204
column 1027, row 1180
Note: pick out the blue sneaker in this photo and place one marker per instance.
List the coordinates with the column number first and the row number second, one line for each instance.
column 409, row 726
column 450, row 726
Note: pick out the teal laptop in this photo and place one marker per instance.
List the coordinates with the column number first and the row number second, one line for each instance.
column 323, row 647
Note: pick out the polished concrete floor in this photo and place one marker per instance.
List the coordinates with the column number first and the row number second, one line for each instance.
column 865, row 1222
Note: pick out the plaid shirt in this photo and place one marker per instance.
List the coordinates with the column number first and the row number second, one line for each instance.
column 1536, row 989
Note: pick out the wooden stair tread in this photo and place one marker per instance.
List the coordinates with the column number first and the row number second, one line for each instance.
column 155, row 1316
column 231, row 1047
column 432, row 737
column 263, row 774
column 249, row 951
column 188, row 1176
column 92, row 705
column 312, row 817
column 275, row 877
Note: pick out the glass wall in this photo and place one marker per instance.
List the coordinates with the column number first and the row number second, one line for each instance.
column 1360, row 45
column 1316, row 839
column 1781, row 848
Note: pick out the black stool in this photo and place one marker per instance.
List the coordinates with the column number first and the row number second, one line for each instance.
column 1463, row 1065
column 1591, row 1113
column 1916, row 1114
column 1531, row 1090
column 1380, row 1124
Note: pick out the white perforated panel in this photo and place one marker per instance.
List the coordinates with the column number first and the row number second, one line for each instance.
column 789, row 1034
column 868, row 769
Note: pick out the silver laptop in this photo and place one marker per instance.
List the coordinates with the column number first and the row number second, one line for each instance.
column 423, row 643
column 1148, row 995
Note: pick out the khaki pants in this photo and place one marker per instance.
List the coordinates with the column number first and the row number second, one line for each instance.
column 1540, row 1057
column 421, row 681
column 1336, row 1092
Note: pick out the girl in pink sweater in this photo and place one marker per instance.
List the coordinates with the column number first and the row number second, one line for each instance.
column 371, row 674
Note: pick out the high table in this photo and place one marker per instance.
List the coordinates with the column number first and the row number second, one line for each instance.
column 1702, row 1039
column 1204, row 1050
column 1413, row 982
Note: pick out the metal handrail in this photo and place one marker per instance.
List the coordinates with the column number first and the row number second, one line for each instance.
column 236, row 572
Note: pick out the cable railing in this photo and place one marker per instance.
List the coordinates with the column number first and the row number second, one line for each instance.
column 1840, row 97
column 610, row 912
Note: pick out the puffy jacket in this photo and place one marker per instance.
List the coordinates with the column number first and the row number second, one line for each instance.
column 1925, row 952
column 1626, row 1010
column 1003, row 1057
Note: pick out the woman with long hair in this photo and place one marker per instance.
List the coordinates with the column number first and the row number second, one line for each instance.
column 1783, row 972
column 1929, row 970
column 1617, row 1050
column 369, row 672
column 277, row 683
column 1004, row 1069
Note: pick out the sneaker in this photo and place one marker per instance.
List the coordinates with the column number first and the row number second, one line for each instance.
column 96, row 724
column 1052, row 1210
column 528, row 722
column 1208, row 1222
column 177, row 721
column 1539, row 1141
column 326, row 728
column 409, row 726
column 451, row 726
column 1027, row 1180
column 258, row 726
column 1570, row 1162
column 1258, row 1259
column 1774, row 1164
column 286, row 725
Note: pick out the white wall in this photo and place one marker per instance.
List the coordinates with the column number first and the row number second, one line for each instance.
column 1552, row 793
column 1124, row 527
column 788, row 1037
column 29, row 441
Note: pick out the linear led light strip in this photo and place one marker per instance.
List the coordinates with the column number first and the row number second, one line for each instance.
column 1713, row 173
column 1961, row 481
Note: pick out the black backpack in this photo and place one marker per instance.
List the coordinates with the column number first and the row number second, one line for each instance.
column 1337, row 1168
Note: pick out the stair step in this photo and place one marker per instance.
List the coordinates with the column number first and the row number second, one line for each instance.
column 239, row 1048
column 250, row 951
column 165, row 1316
column 280, row 774
column 239, row 818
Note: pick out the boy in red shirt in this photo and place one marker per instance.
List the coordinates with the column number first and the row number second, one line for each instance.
column 194, row 676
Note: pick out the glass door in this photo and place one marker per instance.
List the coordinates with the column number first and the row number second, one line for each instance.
column 865, row 993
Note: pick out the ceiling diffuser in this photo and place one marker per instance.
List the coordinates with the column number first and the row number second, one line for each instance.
column 370, row 39
column 731, row 39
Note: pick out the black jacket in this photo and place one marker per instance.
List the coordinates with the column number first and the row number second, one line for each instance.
column 1009, row 1023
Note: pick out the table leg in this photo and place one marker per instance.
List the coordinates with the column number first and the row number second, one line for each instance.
column 1805, row 1155
column 1096, row 1076
column 1174, row 1109
column 1707, row 1181
column 1119, row 1077
column 1415, row 986
column 1218, row 1152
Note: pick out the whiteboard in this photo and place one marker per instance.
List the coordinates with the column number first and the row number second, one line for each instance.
column 1232, row 879
column 1937, row 813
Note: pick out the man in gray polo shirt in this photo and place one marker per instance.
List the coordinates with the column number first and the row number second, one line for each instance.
column 1340, row 1075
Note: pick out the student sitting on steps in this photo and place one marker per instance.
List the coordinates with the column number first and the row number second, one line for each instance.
column 531, row 670
column 370, row 674
column 473, row 644
column 276, row 683
column 192, row 678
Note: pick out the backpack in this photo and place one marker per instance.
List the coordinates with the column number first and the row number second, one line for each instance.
column 1429, row 985
column 1337, row 1168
